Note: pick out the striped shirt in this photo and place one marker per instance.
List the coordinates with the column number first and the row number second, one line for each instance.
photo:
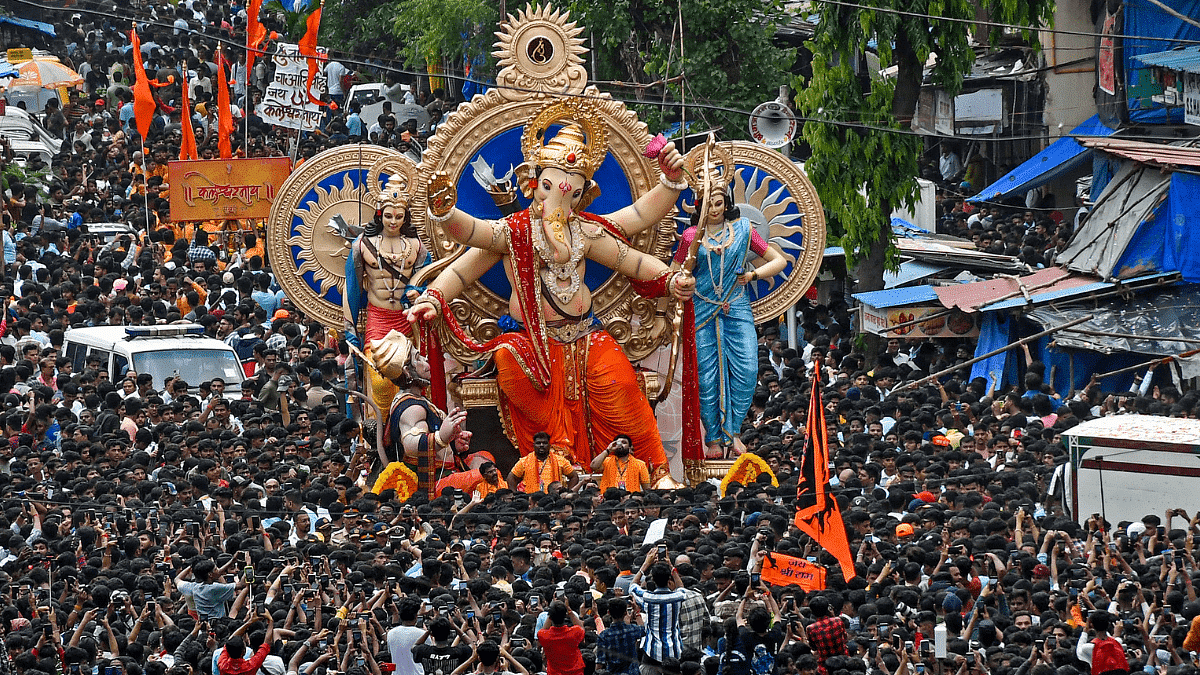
column 662, row 608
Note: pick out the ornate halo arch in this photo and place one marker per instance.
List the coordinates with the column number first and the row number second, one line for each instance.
column 540, row 56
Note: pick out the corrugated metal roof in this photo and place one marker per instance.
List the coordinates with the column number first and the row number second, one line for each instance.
column 911, row 271
column 1131, row 198
column 897, row 297
column 1156, row 154
column 971, row 297
column 1186, row 59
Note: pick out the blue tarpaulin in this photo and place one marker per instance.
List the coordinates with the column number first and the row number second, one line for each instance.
column 46, row 28
column 1059, row 157
column 1167, row 242
column 994, row 333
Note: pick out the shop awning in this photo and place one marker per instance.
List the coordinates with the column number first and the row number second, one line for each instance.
column 913, row 270
column 897, row 297
column 1186, row 59
column 46, row 28
column 1059, row 157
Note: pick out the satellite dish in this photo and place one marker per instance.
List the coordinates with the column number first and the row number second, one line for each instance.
column 773, row 124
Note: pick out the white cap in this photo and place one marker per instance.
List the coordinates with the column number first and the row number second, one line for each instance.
column 1136, row 529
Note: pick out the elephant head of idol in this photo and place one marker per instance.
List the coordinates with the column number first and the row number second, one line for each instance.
column 557, row 175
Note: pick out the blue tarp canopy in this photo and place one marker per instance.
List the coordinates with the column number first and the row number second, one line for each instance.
column 897, row 297
column 46, row 28
column 1059, row 157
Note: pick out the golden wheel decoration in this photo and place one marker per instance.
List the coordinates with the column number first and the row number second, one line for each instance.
column 783, row 207
column 319, row 210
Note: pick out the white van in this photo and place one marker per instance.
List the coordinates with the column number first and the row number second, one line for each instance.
column 162, row 351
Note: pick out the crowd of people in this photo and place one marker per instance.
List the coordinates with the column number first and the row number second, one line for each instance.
column 158, row 528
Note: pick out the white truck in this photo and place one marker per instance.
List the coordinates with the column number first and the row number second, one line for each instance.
column 1124, row 467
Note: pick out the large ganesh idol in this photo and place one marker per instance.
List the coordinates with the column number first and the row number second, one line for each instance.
column 561, row 372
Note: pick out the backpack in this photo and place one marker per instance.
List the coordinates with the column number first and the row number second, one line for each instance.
column 733, row 662
column 1108, row 657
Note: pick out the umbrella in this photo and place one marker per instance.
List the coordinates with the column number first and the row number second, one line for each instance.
column 45, row 73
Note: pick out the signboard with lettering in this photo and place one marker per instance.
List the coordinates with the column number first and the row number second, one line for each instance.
column 1191, row 98
column 285, row 103
column 217, row 189
column 20, row 55
column 957, row 324
column 786, row 570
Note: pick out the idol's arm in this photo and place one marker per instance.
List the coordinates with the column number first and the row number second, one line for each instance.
column 453, row 281
column 657, row 203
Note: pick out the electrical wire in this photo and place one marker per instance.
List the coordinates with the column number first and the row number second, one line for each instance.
column 1011, row 26
column 695, row 103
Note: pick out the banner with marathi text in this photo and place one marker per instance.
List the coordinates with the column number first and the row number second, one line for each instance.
column 285, row 104
column 787, row 570
column 217, row 189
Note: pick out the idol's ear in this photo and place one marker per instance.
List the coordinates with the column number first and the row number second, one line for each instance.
column 589, row 195
column 526, row 174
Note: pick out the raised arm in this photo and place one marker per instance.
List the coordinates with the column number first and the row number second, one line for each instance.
column 462, row 227
column 657, row 203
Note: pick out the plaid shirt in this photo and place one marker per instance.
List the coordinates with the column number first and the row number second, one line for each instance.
column 692, row 616
column 827, row 637
column 617, row 648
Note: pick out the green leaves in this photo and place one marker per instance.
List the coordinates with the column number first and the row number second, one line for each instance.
column 865, row 161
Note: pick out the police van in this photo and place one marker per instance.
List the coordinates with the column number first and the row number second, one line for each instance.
column 181, row 350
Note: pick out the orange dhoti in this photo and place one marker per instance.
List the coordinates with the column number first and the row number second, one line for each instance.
column 594, row 395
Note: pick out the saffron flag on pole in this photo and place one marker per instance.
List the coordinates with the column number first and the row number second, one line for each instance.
column 144, row 104
column 187, row 147
column 256, row 33
column 308, row 47
column 224, row 113
column 817, row 512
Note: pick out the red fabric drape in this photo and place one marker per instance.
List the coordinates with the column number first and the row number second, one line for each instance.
column 693, row 446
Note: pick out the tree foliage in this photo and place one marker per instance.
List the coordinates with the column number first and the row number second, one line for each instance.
column 418, row 32
column 864, row 163
column 729, row 59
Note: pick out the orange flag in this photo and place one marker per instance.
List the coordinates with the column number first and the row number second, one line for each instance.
column 143, row 99
column 224, row 114
column 308, row 47
column 187, row 149
column 255, row 34
column 817, row 512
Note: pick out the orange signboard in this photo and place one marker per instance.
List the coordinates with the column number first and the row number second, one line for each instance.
column 216, row 189
column 786, row 570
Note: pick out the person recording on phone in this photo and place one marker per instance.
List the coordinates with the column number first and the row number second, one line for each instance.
column 228, row 664
column 662, row 607
column 209, row 595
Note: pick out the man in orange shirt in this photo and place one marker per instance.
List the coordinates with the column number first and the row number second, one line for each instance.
column 492, row 482
column 619, row 468
column 541, row 469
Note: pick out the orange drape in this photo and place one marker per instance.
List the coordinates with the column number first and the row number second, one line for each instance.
column 593, row 396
